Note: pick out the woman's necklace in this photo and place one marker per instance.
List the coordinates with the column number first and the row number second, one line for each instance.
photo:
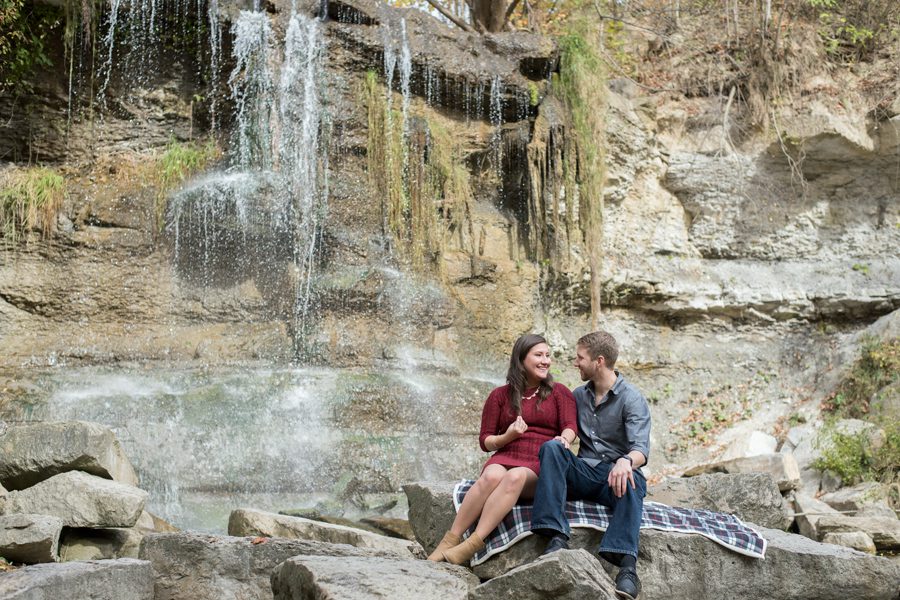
column 532, row 394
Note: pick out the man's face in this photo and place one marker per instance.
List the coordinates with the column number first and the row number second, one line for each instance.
column 587, row 367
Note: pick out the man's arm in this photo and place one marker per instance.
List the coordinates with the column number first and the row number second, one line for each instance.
column 637, row 427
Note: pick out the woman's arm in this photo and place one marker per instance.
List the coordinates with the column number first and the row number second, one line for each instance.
column 513, row 432
column 567, row 415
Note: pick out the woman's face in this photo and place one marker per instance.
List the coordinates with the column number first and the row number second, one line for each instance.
column 537, row 364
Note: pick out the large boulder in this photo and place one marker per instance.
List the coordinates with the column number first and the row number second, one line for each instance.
column 33, row 452
column 207, row 567
column 674, row 565
column 782, row 467
column 30, row 538
column 527, row 549
column 752, row 497
column 564, row 575
column 123, row 579
column 80, row 500
column 365, row 578
column 431, row 511
column 249, row 522
column 884, row 532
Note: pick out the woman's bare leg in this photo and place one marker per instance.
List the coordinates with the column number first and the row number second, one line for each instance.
column 473, row 503
column 517, row 482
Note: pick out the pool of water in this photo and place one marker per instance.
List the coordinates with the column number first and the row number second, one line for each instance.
column 206, row 441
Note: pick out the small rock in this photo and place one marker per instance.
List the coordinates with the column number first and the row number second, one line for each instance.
column 752, row 445
column 810, row 510
column 877, row 509
column 858, row 540
column 884, row 532
column 855, row 497
column 30, row 538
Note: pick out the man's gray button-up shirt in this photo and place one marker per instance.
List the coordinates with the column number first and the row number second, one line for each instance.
column 617, row 425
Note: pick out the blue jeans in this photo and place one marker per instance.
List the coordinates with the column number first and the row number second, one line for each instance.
column 564, row 476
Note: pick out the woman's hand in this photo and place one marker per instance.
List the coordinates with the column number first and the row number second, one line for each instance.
column 562, row 440
column 516, row 428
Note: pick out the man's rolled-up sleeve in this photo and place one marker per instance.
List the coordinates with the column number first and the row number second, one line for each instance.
column 637, row 425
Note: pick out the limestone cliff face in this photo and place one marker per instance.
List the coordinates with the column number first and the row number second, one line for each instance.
column 728, row 271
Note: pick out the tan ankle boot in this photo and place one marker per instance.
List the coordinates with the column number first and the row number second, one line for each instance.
column 449, row 540
column 463, row 553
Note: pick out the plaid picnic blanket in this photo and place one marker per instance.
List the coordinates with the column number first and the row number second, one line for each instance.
column 723, row 529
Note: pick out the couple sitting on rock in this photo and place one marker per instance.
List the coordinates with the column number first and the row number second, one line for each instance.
column 529, row 424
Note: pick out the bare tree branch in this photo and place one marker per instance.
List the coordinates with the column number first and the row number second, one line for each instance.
column 462, row 25
column 532, row 22
column 509, row 11
column 626, row 23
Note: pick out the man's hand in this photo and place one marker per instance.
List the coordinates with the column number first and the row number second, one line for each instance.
column 619, row 476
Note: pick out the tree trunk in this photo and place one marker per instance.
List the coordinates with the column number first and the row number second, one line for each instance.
column 489, row 15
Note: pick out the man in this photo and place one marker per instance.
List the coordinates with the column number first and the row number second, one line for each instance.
column 614, row 429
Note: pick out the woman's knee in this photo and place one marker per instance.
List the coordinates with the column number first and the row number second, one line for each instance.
column 491, row 477
column 517, row 479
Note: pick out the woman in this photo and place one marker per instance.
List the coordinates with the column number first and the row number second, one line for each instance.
column 517, row 418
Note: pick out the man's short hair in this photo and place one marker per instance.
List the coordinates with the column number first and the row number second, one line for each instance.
column 601, row 343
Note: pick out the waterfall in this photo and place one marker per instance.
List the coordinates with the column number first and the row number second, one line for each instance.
column 252, row 90
column 137, row 35
column 299, row 149
column 109, row 43
column 262, row 219
column 496, row 117
column 405, row 76
column 215, row 49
